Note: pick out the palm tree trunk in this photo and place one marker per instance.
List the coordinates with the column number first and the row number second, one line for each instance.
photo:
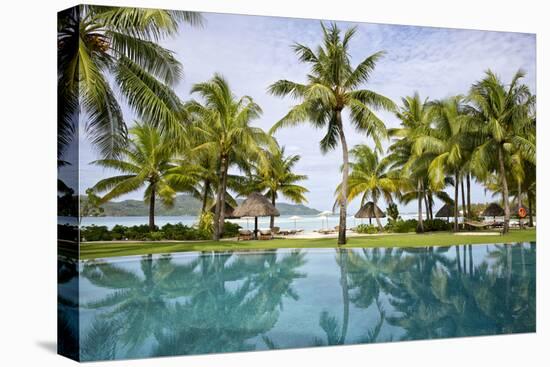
column 272, row 218
column 220, row 199
column 344, row 188
column 468, row 196
column 502, row 172
column 456, row 202
column 205, row 196
column 420, row 226
column 426, row 205
column 152, row 209
column 430, row 205
column 380, row 228
column 530, row 207
column 519, row 205
column 463, row 201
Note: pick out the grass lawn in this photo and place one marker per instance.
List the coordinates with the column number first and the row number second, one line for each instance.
column 112, row 249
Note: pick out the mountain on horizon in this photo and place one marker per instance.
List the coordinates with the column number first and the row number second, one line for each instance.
column 185, row 205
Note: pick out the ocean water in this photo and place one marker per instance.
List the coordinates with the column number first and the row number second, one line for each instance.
column 307, row 222
column 213, row 302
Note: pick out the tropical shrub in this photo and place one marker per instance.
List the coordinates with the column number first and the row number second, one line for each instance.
column 392, row 211
column 178, row 232
column 431, row 225
column 96, row 233
column 402, row 226
column 230, row 229
column 366, row 228
column 206, row 222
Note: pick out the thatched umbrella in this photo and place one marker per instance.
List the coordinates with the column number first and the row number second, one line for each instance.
column 368, row 211
column 256, row 205
column 493, row 210
column 446, row 211
column 228, row 211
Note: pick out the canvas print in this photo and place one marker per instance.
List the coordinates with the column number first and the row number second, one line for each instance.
column 234, row 183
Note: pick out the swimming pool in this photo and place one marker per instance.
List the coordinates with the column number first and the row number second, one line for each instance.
column 195, row 303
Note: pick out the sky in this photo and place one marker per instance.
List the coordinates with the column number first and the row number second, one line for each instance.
column 252, row 52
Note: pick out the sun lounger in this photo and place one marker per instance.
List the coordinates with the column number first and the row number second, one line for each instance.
column 245, row 235
column 266, row 234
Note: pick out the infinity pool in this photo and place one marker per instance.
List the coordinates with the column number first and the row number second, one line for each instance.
column 194, row 303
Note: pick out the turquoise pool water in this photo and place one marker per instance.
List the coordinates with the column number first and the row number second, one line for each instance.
column 194, row 303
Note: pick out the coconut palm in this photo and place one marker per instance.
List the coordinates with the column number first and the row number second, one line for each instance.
column 222, row 128
column 333, row 86
column 502, row 114
column 147, row 161
column 447, row 144
column 100, row 44
column 276, row 176
column 369, row 179
column 416, row 117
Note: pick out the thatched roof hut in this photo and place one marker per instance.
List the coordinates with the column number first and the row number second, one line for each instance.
column 493, row 210
column 446, row 211
column 368, row 211
column 228, row 211
column 256, row 205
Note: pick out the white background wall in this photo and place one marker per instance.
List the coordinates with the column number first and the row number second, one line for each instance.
column 28, row 183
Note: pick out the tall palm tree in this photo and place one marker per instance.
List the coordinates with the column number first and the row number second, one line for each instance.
column 447, row 143
column 223, row 128
column 502, row 114
column 147, row 161
column 416, row 117
column 369, row 178
column 333, row 86
column 97, row 44
column 276, row 176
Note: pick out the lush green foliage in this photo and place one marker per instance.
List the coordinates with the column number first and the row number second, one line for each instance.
column 97, row 44
column 392, row 211
column 169, row 231
column 366, row 228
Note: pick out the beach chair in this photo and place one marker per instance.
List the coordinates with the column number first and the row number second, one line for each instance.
column 245, row 235
column 266, row 234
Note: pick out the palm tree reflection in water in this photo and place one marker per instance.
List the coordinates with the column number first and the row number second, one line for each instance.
column 224, row 302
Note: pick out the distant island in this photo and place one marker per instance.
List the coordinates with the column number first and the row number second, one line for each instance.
column 185, row 205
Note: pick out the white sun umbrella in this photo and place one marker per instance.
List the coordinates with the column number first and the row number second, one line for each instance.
column 324, row 215
column 295, row 218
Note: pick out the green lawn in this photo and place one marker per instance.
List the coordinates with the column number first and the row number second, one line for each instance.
column 112, row 249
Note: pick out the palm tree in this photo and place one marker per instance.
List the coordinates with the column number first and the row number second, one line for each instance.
column 275, row 175
column 222, row 128
column 147, row 160
column 369, row 178
column 447, row 143
column 97, row 44
column 416, row 118
column 502, row 114
column 332, row 86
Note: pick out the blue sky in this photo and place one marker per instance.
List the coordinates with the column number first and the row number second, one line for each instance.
column 252, row 52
